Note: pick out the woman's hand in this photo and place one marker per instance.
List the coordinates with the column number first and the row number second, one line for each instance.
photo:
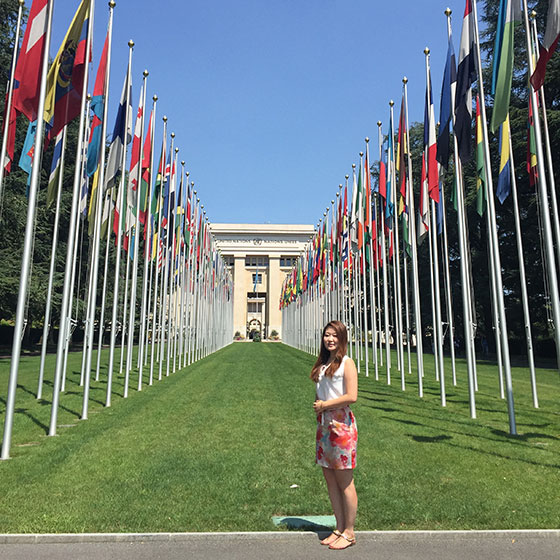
column 318, row 406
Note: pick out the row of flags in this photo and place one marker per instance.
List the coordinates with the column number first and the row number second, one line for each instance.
column 172, row 267
column 385, row 227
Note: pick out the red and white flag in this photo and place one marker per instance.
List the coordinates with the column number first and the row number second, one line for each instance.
column 549, row 44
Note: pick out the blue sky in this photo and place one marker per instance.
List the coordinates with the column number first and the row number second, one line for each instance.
column 270, row 100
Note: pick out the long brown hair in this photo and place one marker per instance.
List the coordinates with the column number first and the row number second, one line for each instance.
column 324, row 354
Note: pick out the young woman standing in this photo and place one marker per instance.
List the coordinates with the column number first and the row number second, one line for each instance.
column 337, row 387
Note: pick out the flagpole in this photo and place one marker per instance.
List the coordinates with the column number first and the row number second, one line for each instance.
column 10, row 99
column 553, row 199
column 522, row 278
column 447, row 283
column 120, row 199
column 397, row 263
column 71, row 237
column 543, row 198
column 98, row 216
column 464, row 255
column 147, row 229
column 27, row 248
column 436, row 295
column 499, row 286
column 104, row 289
column 385, row 265
column 135, row 248
column 164, row 319
column 47, row 320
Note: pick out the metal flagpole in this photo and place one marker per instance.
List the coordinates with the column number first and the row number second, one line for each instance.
column 148, row 230
column 447, row 283
column 464, row 255
column 120, row 198
column 27, row 248
column 397, row 266
column 98, row 218
column 135, row 248
column 124, row 329
column 363, row 291
column 553, row 200
column 385, row 280
column 436, row 296
column 500, row 290
column 9, row 99
column 104, row 289
column 523, row 281
column 164, row 300
column 47, row 321
column 155, row 323
column 71, row 238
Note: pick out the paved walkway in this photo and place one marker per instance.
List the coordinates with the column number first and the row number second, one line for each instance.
column 394, row 545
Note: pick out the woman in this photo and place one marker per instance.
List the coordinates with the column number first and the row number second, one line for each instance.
column 337, row 387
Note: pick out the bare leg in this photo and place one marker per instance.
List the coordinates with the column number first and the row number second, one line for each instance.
column 345, row 483
column 336, row 498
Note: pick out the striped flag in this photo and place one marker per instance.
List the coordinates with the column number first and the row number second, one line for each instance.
column 502, row 69
column 448, row 89
column 430, row 146
column 55, row 169
column 480, row 167
column 466, row 75
column 504, row 178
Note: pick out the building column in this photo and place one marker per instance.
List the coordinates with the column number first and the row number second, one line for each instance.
column 239, row 296
column 275, row 279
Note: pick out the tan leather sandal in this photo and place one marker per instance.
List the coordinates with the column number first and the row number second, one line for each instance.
column 350, row 540
column 335, row 532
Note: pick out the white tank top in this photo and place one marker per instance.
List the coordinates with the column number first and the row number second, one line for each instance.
column 331, row 387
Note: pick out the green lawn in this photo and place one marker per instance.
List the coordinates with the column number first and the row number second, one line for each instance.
column 217, row 446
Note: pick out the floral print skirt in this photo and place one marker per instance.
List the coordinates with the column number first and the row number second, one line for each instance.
column 337, row 437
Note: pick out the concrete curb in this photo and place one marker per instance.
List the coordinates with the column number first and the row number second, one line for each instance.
column 46, row 538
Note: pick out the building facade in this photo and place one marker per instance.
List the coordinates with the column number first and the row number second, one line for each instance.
column 259, row 256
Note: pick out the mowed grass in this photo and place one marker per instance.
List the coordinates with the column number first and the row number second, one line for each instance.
column 218, row 445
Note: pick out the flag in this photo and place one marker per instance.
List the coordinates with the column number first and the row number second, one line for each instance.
column 97, row 104
column 132, row 189
column 466, row 75
column 504, row 178
column 531, row 148
column 28, row 150
column 66, row 75
column 502, row 68
column 146, row 173
column 55, row 169
column 27, row 75
column 121, row 135
column 430, row 146
column 402, row 153
column 480, row 166
column 448, row 89
column 389, row 205
column 549, row 44
column 423, row 206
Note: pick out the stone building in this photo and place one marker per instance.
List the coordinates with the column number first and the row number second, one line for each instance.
column 259, row 256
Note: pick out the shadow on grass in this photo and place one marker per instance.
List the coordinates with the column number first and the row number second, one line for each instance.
column 429, row 439
column 36, row 421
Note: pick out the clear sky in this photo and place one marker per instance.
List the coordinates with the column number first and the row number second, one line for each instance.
column 271, row 100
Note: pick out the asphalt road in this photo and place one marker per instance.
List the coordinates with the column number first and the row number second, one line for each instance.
column 397, row 545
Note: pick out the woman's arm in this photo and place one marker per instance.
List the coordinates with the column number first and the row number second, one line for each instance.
column 350, row 386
